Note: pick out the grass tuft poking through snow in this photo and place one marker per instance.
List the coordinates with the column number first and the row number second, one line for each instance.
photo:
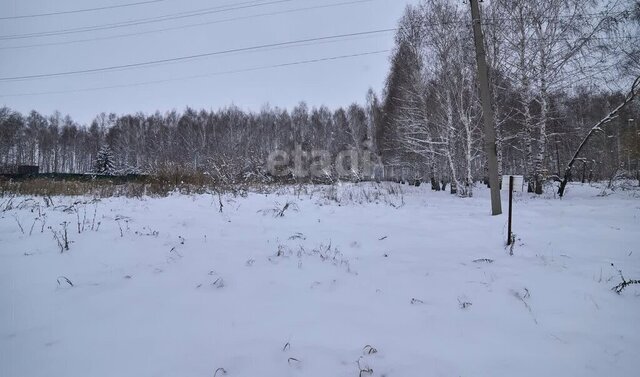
column 624, row 283
column 62, row 279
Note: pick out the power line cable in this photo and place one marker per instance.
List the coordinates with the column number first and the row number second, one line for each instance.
column 295, row 10
column 223, row 52
column 80, row 10
column 205, row 11
column 189, row 57
column 281, row 65
column 143, row 21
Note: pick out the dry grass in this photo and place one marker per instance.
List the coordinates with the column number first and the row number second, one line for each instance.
column 102, row 188
column 163, row 184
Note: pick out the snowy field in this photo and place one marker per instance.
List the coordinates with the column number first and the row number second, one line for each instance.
column 362, row 280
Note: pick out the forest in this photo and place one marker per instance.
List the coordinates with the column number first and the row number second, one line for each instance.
column 556, row 69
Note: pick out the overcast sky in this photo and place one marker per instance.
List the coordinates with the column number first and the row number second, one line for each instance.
column 332, row 83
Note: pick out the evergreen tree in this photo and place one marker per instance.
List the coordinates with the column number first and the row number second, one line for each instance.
column 104, row 163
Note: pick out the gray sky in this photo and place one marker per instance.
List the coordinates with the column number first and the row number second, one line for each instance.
column 333, row 83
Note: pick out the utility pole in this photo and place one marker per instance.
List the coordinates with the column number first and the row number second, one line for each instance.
column 487, row 110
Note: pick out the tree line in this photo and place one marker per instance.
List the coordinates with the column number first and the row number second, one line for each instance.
column 550, row 66
column 551, row 63
column 228, row 142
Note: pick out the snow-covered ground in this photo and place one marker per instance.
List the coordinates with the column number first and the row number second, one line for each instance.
column 359, row 280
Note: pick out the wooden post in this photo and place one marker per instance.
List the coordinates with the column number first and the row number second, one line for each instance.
column 487, row 110
column 509, row 237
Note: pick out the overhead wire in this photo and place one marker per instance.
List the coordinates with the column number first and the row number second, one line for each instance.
column 188, row 57
column 200, row 12
column 214, row 53
column 217, row 9
column 148, row 20
column 288, row 64
column 243, row 5
column 85, row 10
column 239, row 18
